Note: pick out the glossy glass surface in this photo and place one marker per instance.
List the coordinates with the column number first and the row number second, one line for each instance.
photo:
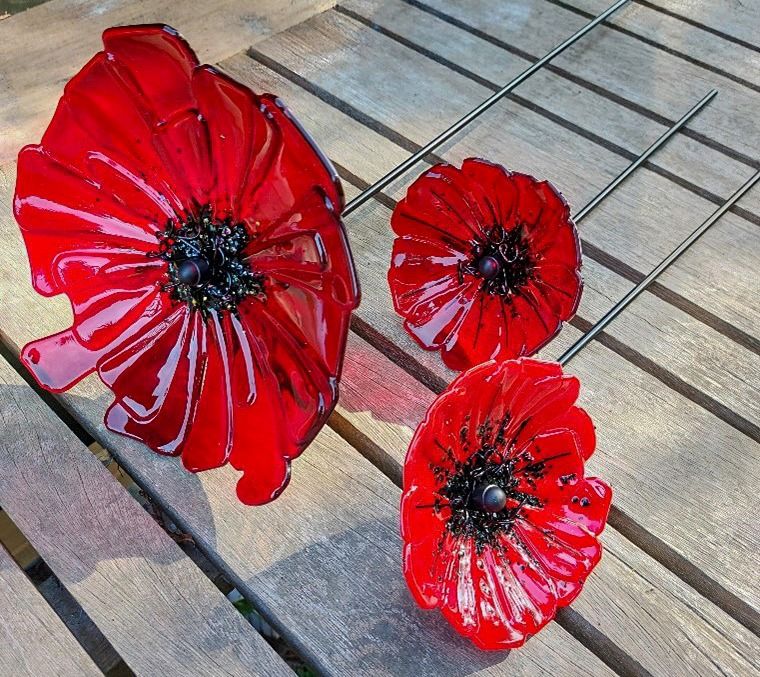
column 486, row 264
column 499, row 576
column 143, row 141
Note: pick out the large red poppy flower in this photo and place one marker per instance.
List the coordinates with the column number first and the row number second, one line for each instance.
column 195, row 228
column 499, row 523
column 486, row 264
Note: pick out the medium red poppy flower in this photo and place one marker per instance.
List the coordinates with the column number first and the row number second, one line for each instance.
column 196, row 230
column 486, row 264
column 499, row 523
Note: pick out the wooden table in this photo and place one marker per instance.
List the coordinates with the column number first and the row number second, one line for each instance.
column 672, row 384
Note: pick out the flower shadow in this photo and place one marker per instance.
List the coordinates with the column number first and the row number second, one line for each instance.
column 354, row 590
column 46, row 471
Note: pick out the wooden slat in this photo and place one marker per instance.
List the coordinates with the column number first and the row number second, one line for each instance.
column 34, row 74
column 371, row 240
column 736, row 19
column 323, row 562
column 156, row 608
column 221, row 526
column 653, row 616
column 33, row 640
column 684, row 40
column 299, row 618
column 726, row 372
column 581, row 109
column 330, row 52
column 665, row 455
column 643, row 75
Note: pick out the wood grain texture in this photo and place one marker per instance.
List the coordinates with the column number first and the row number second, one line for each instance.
column 652, row 615
column 665, row 429
column 684, row 40
column 582, row 109
column 736, row 19
column 33, row 640
column 417, row 97
column 322, row 563
column 666, row 456
column 160, row 613
column 726, row 372
column 656, row 81
column 32, row 74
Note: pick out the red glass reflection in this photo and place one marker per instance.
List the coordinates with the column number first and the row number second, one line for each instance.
column 195, row 228
column 499, row 522
column 486, row 264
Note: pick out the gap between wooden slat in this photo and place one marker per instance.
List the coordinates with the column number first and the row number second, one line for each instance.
column 672, row 381
column 7, row 353
column 23, row 553
column 698, row 24
column 40, row 642
column 549, row 115
column 657, row 45
column 97, row 646
column 688, row 572
column 594, row 640
column 668, row 378
column 620, row 521
column 59, row 411
column 587, row 84
column 593, row 252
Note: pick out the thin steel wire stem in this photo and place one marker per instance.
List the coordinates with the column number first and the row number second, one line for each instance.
column 444, row 136
column 618, row 308
column 641, row 159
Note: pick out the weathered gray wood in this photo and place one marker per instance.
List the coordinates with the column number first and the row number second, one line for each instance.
column 323, row 562
column 33, row 73
column 659, row 427
column 160, row 613
column 621, row 64
column 343, row 649
column 726, row 372
column 330, row 50
column 80, row 625
column 735, row 18
column 33, row 640
column 577, row 106
column 274, row 579
column 684, row 40
column 645, row 609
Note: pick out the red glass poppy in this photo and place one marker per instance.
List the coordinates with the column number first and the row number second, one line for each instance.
column 499, row 523
column 486, row 264
column 195, row 228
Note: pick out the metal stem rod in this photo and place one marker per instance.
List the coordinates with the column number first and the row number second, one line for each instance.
column 444, row 136
column 618, row 308
column 641, row 159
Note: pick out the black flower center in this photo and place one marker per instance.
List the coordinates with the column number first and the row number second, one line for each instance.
column 503, row 262
column 486, row 493
column 206, row 264
column 483, row 497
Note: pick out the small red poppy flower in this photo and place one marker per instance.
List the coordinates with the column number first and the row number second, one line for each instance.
column 486, row 264
column 499, row 522
column 195, row 228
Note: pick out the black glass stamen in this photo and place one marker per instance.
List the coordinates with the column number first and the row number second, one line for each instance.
column 504, row 262
column 207, row 269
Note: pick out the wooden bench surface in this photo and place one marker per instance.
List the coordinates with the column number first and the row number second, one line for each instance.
column 32, row 637
column 672, row 384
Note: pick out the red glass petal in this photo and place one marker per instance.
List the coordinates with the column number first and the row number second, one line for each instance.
column 500, row 586
column 456, row 217
column 145, row 143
